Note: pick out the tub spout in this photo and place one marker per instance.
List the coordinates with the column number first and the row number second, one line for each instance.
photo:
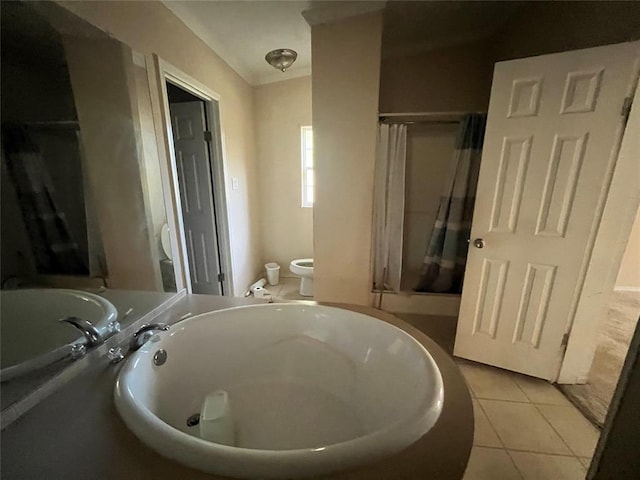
column 87, row 328
column 144, row 333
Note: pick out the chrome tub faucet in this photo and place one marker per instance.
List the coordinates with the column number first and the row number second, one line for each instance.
column 144, row 333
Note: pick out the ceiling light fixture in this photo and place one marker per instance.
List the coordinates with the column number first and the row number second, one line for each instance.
column 282, row 58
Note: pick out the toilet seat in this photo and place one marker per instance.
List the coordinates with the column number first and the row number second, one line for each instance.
column 302, row 266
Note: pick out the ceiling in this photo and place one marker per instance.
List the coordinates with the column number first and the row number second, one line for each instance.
column 242, row 32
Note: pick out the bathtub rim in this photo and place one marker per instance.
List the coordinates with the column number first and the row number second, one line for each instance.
column 155, row 432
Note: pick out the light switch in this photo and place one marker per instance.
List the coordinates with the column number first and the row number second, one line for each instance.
column 235, row 183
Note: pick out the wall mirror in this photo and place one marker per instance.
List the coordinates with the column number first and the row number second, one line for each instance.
column 84, row 227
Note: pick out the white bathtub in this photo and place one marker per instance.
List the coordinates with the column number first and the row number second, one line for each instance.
column 312, row 390
column 32, row 335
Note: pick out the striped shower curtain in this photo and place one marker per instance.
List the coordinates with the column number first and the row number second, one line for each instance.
column 446, row 256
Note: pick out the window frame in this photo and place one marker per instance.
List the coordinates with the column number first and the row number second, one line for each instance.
column 306, row 166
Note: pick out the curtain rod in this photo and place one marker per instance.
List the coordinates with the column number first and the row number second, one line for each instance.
column 427, row 114
column 424, row 117
column 431, row 121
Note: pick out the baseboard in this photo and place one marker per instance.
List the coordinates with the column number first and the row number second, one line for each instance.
column 626, row 289
column 425, row 304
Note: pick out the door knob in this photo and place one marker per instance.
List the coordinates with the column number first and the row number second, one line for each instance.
column 478, row 243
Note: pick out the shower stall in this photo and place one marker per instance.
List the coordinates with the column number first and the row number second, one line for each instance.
column 428, row 157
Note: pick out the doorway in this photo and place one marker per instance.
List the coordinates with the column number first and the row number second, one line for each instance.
column 195, row 182
column 194, row 157
column 615, row 331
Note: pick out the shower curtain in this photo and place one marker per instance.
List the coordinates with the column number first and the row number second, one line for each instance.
column 389, row 206
column 446, row 256
column 54, row 250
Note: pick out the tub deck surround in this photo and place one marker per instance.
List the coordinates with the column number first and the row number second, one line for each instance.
column 134, row 308
column 311, row 389
column 98, row 445
column 33, row 335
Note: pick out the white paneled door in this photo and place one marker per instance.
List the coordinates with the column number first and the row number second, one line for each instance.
column 196, row 196
column 554, row 127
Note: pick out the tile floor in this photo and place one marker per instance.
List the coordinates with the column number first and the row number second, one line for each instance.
column 525, row 428
column 288, row 289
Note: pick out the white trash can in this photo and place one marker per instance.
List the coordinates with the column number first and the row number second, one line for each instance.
column 273, row 273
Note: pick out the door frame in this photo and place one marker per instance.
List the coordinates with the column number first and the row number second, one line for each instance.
column 165, row 72
column 617, row 207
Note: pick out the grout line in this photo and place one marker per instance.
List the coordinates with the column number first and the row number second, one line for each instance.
column 586, row 413
column 572, row 454
column 508, row 455
column 522, row 390
column 490, row 424
column 515, row 465
column 566, row 455
column 522, row 450
column 536, row 405
column 556, row 431
column 528, row 402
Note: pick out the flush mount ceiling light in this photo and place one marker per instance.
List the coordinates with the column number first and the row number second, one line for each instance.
column 282, row 58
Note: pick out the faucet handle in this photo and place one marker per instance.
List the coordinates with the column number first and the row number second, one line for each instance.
column 78, row 351
column 115, row 355
column 145, row 332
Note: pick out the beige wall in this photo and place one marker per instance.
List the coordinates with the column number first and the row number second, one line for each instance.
column 447, row 79
column 549, row 27
column 110, row 132
column 149, row 27
column 346, row 72
column 287, row 229
column 629, row 273
column 429, row 154
column 458, row 78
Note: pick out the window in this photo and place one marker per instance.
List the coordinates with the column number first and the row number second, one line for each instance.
column 306, row 140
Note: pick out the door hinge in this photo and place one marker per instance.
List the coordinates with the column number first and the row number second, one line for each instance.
column 221, row 277
column 208, row 137
column 626, row 108
column 565, row 340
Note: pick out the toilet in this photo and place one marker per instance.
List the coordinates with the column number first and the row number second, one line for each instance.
column 303, row 267
column 166, row 263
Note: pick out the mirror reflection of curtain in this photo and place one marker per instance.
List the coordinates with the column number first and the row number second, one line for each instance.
column 54, row 249
column 446, row 256
column 389, row 200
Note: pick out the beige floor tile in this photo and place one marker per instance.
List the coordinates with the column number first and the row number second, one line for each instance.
column 483, row 433
column 575, row 430
column 585, row 461
column 291, row 290
column 490, row 464
column 538, row 466
column 520, row 426
column 492, row 383
column 274, row 289
column 540, row 391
